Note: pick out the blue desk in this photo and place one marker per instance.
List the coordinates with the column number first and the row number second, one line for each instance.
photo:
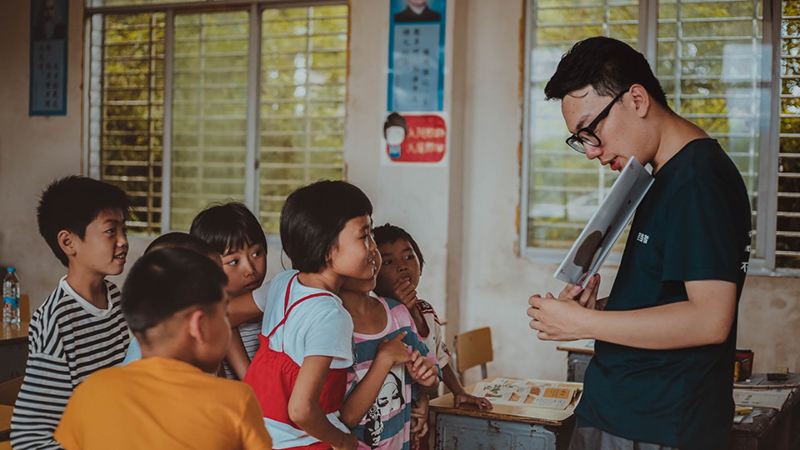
column 505, row 427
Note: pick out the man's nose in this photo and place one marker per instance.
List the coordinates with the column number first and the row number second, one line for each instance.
column 593, row 152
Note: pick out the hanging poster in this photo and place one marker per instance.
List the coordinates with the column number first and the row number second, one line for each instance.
column 415, row 138
column 48, row 56
column 416, row 55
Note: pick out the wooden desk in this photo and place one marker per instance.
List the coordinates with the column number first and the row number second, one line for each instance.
column 504, row 427
column 13, row 351
column 5, row 422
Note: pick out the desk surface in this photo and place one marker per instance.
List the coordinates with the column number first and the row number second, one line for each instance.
column 5, row 422
column 526, row 414
column 13, row 333
column 585, row 346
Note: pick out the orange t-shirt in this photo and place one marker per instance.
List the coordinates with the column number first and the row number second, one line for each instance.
column 161, row 403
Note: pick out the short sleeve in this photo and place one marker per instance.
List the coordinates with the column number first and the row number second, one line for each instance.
column 254, row 434
column 261, row 294
column 702, row 241
column 323, row 329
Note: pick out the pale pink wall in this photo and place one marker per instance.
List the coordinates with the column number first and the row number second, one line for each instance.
column 33, row 150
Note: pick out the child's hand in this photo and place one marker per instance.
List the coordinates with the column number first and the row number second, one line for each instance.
column 394, row 351
column 422, row 369
column 480, row 402
column 419, row 409
column 419, row 428
column 350, row 442
column 405, row 293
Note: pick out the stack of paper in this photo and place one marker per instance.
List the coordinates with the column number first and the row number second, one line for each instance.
column 527, row 393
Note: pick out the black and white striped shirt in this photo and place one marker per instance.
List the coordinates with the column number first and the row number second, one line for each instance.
column 69, row 339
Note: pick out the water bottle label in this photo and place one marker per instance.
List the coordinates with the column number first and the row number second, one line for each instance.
column 11, row 301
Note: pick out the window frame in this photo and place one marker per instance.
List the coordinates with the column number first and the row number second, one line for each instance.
column 769, row 127
column 255, row 9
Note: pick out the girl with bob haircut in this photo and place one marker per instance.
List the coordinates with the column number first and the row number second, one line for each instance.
column 299, row 373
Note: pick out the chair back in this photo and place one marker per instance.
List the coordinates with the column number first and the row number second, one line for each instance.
column 474, row 348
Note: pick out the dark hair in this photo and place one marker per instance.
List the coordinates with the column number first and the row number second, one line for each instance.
column 178, row 239
column 394, row 120
column 389, row 234
column 312, row 218
column 608, row 65
column 71, row 204
column 228, row 226
column 168, row 280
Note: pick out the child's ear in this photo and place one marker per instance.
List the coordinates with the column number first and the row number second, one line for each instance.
column 197, row 325
column 66, row 240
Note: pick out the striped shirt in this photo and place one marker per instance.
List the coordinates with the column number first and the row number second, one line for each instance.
column 249, row 333
column 69, row 339
column 387, row 425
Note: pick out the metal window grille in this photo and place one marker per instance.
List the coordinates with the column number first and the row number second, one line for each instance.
column 564, row 188
column 127, row 111
column 304, row 72
column 217, row 114
column 787, row 248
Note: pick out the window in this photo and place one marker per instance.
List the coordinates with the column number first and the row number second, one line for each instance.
column 190, row 106
column 709, row 56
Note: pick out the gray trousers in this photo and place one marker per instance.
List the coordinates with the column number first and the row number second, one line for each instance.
column 590, row 438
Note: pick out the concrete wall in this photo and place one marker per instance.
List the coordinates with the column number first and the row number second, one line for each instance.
column 463, row 214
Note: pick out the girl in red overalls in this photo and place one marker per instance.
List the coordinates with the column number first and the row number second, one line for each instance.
column 299, row 373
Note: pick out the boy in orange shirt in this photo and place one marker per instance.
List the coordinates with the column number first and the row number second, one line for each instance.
column 174, row 302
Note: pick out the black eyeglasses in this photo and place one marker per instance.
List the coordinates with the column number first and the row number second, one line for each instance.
column 586, row 136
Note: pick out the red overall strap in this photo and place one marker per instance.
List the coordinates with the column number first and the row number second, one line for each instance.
column 288, row 309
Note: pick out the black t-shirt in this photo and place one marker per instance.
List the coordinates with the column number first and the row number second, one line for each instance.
column 693, row 224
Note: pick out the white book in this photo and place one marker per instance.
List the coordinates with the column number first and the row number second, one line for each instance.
column 604, row 228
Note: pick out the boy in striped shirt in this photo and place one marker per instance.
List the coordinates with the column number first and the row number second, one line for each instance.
column 79, row 329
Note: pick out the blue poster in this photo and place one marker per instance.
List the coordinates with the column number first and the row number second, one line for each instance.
column 416, row 55
column 48, row 56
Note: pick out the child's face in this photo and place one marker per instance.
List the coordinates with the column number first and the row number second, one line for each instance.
column 104, row 247
column 245, row 268
column 353, row 255
column 364, row 286
column 400, row 262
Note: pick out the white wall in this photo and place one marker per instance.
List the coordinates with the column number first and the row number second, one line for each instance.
column 463, row 214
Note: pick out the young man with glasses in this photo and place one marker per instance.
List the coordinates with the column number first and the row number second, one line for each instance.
column 662, row 374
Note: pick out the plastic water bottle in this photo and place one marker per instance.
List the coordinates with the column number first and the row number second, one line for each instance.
column 11, row 297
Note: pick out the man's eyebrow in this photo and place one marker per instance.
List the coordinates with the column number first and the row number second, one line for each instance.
column 582, row 122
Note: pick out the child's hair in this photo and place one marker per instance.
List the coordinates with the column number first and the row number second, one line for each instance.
column 166, row 281
column 177, row 239
column 312, row 218
column 71, row 204
column 389, row 234
column 228, row 226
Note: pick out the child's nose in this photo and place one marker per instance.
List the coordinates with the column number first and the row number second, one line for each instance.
column 593, row 152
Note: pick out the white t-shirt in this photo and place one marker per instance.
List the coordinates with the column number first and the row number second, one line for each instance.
column 319, row 326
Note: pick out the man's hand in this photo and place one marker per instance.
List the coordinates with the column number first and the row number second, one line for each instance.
column 394, row 351
column 557, row 319
column 405, row 293
column 586, row 297
column 422, row 369
column 480, row 402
